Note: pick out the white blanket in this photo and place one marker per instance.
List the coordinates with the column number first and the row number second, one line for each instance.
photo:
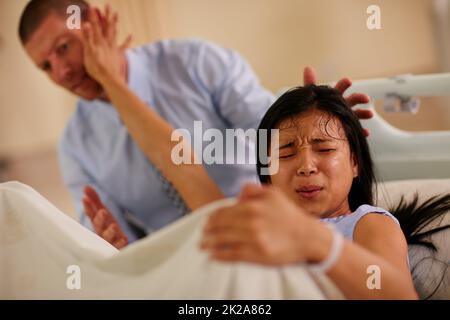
column 44, row 254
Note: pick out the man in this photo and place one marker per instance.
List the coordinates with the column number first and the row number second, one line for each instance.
column 180, row 81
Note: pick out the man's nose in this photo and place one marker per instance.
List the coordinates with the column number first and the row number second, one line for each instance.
column 62, row 72
column 306, row 163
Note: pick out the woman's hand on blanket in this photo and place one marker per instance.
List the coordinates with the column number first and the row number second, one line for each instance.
column 263, row 227
column 102, row 56
column 105, row 225
column 310, row 77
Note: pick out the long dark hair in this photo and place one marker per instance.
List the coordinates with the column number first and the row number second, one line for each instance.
column 412, row 217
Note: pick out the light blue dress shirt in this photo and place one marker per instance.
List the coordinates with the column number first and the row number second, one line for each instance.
column 183, row 81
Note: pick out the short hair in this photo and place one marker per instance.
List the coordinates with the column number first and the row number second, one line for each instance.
column 37, row 10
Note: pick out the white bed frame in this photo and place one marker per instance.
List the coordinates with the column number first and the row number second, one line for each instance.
column 400, row 154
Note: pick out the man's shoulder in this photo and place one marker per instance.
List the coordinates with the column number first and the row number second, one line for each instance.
column 194, row 41
column 178, row 46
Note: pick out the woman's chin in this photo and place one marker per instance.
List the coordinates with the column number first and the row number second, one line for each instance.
column 315, row 209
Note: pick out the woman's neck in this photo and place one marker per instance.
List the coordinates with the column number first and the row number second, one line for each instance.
column 342, row 209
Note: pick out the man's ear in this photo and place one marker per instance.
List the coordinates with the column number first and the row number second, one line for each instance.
column 355, row 167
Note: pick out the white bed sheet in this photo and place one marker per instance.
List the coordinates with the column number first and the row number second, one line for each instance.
column 38, row 243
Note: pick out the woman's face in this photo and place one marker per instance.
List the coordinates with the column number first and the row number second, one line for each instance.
column 316, row 168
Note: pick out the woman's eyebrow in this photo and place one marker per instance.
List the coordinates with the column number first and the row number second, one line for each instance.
column 313, row 141
column 321, row 140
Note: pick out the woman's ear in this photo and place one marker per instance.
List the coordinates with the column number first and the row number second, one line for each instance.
column 355, row 167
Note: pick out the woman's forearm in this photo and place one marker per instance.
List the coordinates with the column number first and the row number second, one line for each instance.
column 153, row 136
column 356, row 270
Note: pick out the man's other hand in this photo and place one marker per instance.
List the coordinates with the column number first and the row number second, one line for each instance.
column 310, row 77
column 105, row 225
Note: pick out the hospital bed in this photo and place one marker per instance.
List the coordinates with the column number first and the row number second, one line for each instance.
column 400, row 154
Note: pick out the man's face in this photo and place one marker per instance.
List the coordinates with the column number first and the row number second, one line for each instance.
column 58, row 51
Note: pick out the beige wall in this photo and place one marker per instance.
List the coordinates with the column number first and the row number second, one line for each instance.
column 280, row 37
column 142, row 18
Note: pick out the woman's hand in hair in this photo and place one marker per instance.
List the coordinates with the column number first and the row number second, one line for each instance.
column 310, row 77
column 104, row 60
column 263, row 227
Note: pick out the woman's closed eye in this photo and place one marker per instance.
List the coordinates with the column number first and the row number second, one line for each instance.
column 326, row 150
column 286, row 150
column 285, row 156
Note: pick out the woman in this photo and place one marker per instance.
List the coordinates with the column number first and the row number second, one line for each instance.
column 323, row 189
